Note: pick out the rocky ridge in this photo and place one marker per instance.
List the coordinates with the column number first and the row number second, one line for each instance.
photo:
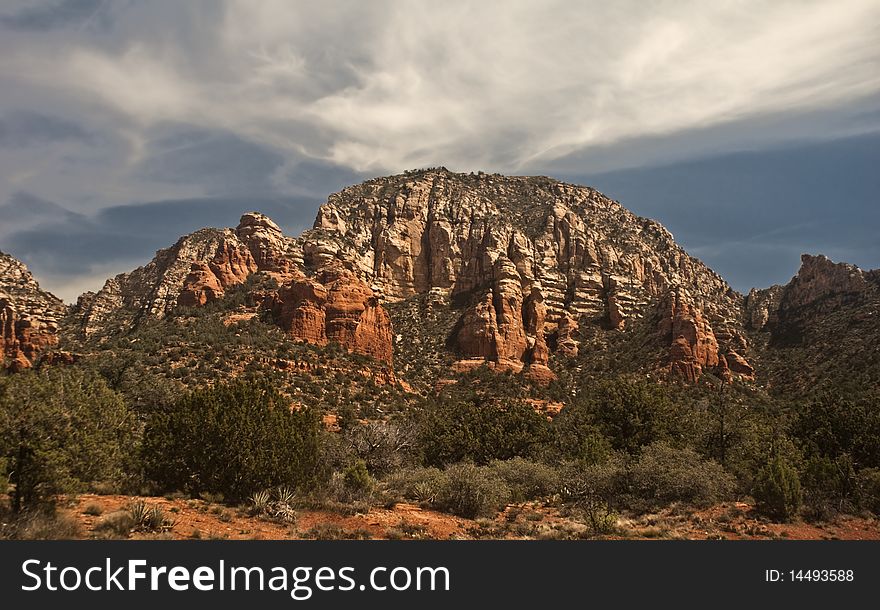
column 517, row 271
column 822, row 327
column 528, row 260
column 820, row 287
column 29, row 317
column 333, row 305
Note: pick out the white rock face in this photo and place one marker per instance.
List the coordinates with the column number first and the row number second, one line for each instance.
column 586, row 257
column 29, row 317
column 527, row 261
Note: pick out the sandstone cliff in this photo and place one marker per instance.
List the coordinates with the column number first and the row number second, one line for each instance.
column 822, row 327
column 435, row 270
column 527, row 264
column 29, row 316
column 201, row 267
column 528, row 261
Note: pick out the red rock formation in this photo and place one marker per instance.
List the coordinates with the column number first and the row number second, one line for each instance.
column 502, row 329
column 566, row 331
column 335, row 306
column 299, row 308
column 354, row 317
column 693, row 343
column 206, row 282
column 22, row 338
column 200, row 287
column 738, row 365
column 682, row 361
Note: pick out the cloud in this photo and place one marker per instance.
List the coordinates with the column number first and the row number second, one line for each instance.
column 23, row 128
column 391, row 85
column 24, row 209
column 69, row 251
column 54, row 15
column 144, row 120
column 224, row 162
column 749, row 215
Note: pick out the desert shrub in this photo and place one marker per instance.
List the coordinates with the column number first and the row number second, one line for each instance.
column 275, row 504
column 418, row 484
column 465, row 425
column 471, row 491
column 868, row 481
column 662, row 474
column 118, row 524
column 383, row 446
column 357, row 478
column 526, row 480
column 630, row 414
column 233, row 439
column 777, row 490
column 259, row 502
column 61, row 429
column 594, row 490
column 93, row 510
column 42, row 523
column 146, row 518
column 829, row 486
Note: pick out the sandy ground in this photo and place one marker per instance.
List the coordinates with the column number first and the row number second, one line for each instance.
column 198, row 519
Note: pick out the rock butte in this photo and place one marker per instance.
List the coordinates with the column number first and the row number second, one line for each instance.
column 526, row 263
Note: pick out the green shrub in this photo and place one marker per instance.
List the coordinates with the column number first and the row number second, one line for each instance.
column 575, row 436
column 526, row 480
column 829, row 486
column 357, row 478
column 418, row 484
column 630, row 414
column 664, row 474
column 777, row 490
column 471, row 491
column 469, row 426
column 837, row 423
column 233, row 439
column 61, row 429
column 868, row 481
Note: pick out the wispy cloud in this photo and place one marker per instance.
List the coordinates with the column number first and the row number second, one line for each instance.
column 107, row 104
column 390, row 85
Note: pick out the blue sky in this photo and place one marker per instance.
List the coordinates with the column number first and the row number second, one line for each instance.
column 750, row 129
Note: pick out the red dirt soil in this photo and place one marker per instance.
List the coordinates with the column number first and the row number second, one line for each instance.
column 205, row 520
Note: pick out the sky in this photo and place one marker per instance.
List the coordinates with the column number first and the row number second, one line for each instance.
column 750, row 129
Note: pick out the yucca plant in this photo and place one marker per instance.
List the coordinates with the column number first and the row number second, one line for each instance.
column 284, row 494
column 138, row 512
column 148, row 518
column 424, row 491
column 260, row 501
